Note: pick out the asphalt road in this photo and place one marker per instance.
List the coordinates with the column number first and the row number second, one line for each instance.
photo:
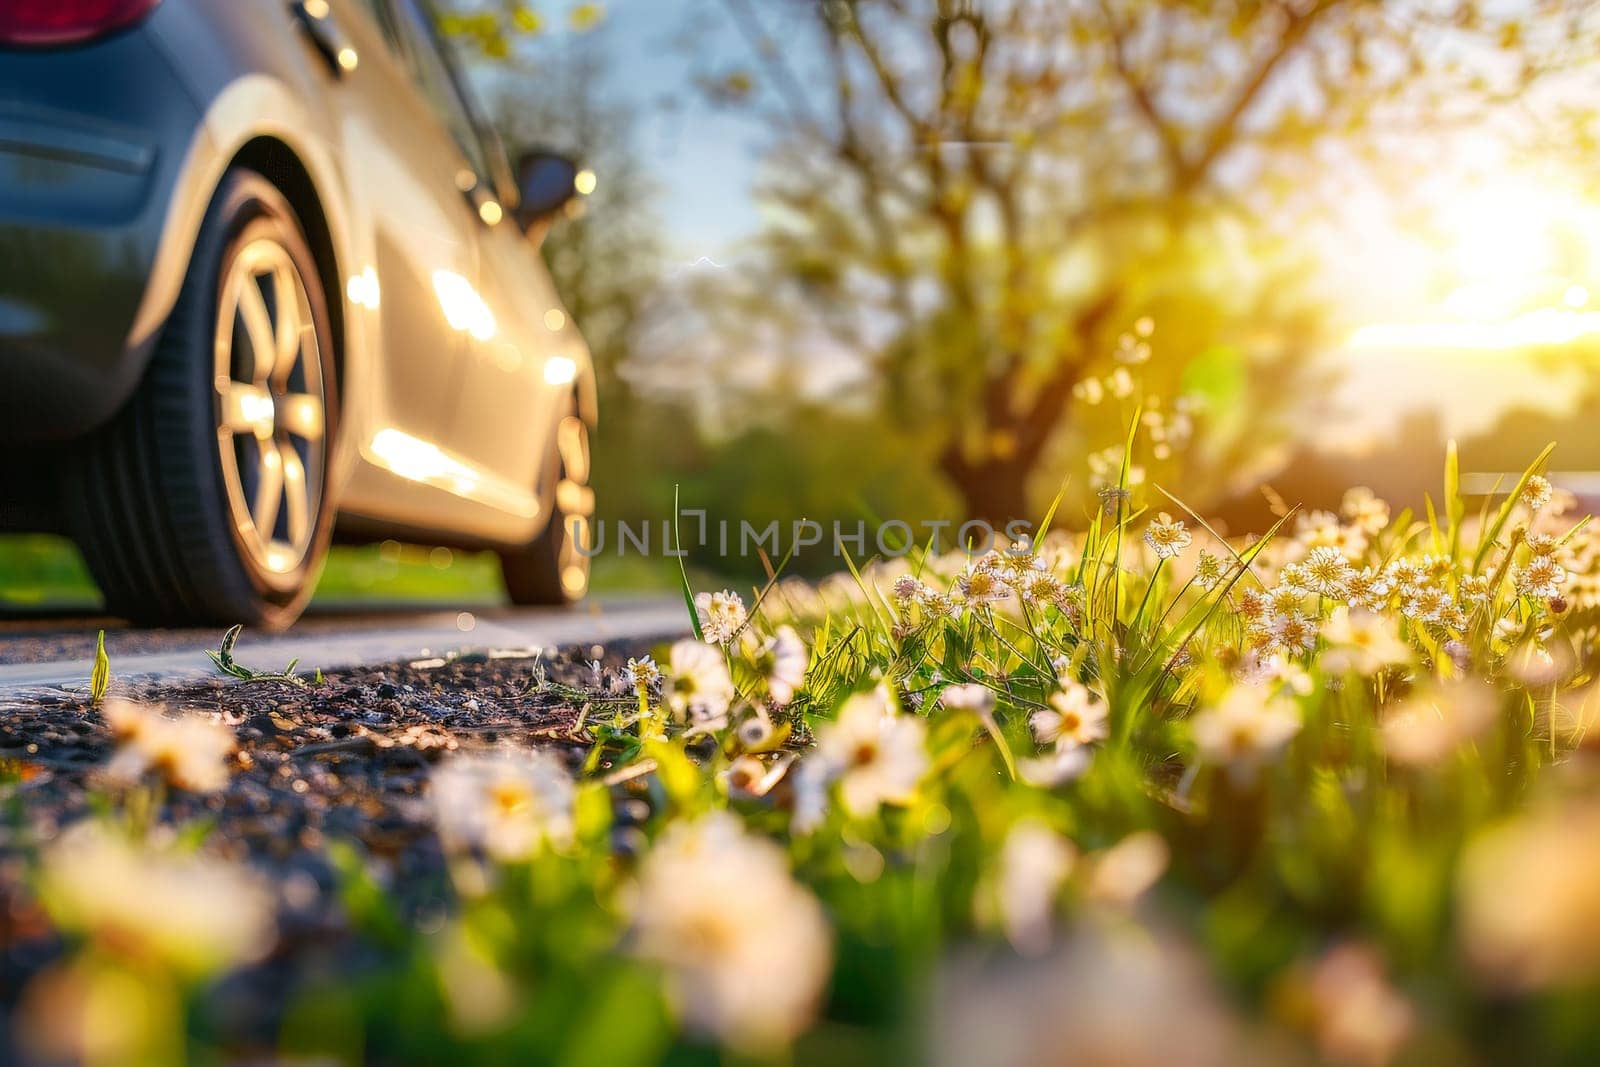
column 48, row 652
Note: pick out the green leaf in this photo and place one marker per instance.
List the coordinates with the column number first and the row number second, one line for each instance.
column 683, row 572
column 1492, row 534
column 222, row 656
column 675, row 771
column 100, row 677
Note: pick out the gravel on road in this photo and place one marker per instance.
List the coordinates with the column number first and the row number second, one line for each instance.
column 347, row 759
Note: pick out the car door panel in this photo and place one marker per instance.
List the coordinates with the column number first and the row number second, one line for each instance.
column 511, row 389
column 423, row 243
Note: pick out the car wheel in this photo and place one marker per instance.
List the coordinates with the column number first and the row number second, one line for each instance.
column 206, row 498
column 553, row 568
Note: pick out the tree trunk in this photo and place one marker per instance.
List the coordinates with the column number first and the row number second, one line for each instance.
column 993, row 490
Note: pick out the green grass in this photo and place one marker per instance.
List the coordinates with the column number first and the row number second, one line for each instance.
column 39, row 571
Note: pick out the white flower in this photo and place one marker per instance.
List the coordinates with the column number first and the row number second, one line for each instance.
column 721, row 615
column 182, row 910
column 697, row 686
column 1060, row 765
column 1124, row 872
column 1209, row 571
column 1034, row 863
column 1362, row 642
column 190, row 751
column 1433, row 722
column 1536, row 492
column 1293, row 632
column 745, row 948
column 969, row 697
column 642, row 673
column 1040, row 587
column 1244, row 730
column 907, row 588
column 1075, row 717
column 780, row 660
column 1541, row 576
column 1326, row 571
column 1369, row 589
column 877, row 756
column 510, row 803
column 1166, row 536
column 1428, row 603
column 1541, row 544
column 749, row 778
column 1365, row 509
column 981, row 584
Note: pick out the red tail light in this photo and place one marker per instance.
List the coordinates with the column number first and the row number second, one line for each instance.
column 41, row 23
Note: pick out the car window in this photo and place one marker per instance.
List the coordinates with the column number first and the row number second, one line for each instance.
column 438, row 83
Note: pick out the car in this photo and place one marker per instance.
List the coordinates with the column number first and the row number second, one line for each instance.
column 267, row 277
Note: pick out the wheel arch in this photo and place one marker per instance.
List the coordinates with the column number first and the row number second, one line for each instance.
column 588, row 394
column 277, row 162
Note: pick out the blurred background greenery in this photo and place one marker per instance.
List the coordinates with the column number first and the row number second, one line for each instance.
column 850, row 259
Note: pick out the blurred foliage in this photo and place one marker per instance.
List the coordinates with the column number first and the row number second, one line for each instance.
column 492, row 28
column 973, row 203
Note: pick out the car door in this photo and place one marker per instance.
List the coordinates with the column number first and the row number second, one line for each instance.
column 419, row 174
column 516, row 380
column 515, row 389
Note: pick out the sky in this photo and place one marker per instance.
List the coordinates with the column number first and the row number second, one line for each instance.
column 705, row 158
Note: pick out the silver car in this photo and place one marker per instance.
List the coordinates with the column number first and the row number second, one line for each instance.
column 267, row 277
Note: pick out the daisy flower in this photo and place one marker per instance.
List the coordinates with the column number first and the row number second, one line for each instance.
column 721, row 615
column 1368, row 589
column 1325, row 571
column 1245, row 730
column 980, row 584
column 746, row 950
column 1428, row 603
column 1033, row 865
column 189, row 751
column 1536, row 492
column 780, row 660
column 969, row 697
column 157, row 903
column 510, row 803
column 1166, row 536
column 1365, row 509
column 642, row 674
column 1362, row 642
column 877, row 756
column 1294, row 632
column 907, row 589
column 1541, row 576
column 1075, row 717
column 697, row 686
column 1058, row 766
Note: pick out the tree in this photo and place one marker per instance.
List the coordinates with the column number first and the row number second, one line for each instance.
column 982, row 196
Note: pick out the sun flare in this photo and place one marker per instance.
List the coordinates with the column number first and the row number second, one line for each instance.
column 1513, row 260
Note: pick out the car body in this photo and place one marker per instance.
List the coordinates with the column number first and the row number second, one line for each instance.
column 454, row 359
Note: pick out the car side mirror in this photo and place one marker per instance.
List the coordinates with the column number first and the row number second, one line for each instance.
column 547, row 181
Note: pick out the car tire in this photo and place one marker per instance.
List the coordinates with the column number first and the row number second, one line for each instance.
column 553, row 568
column 205, row 500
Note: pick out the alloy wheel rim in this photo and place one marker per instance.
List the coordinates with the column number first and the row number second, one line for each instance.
column 574, row 505
column 271, row 409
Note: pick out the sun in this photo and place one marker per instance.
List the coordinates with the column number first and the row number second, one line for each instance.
column 1502, row 233
column 1514, row 257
